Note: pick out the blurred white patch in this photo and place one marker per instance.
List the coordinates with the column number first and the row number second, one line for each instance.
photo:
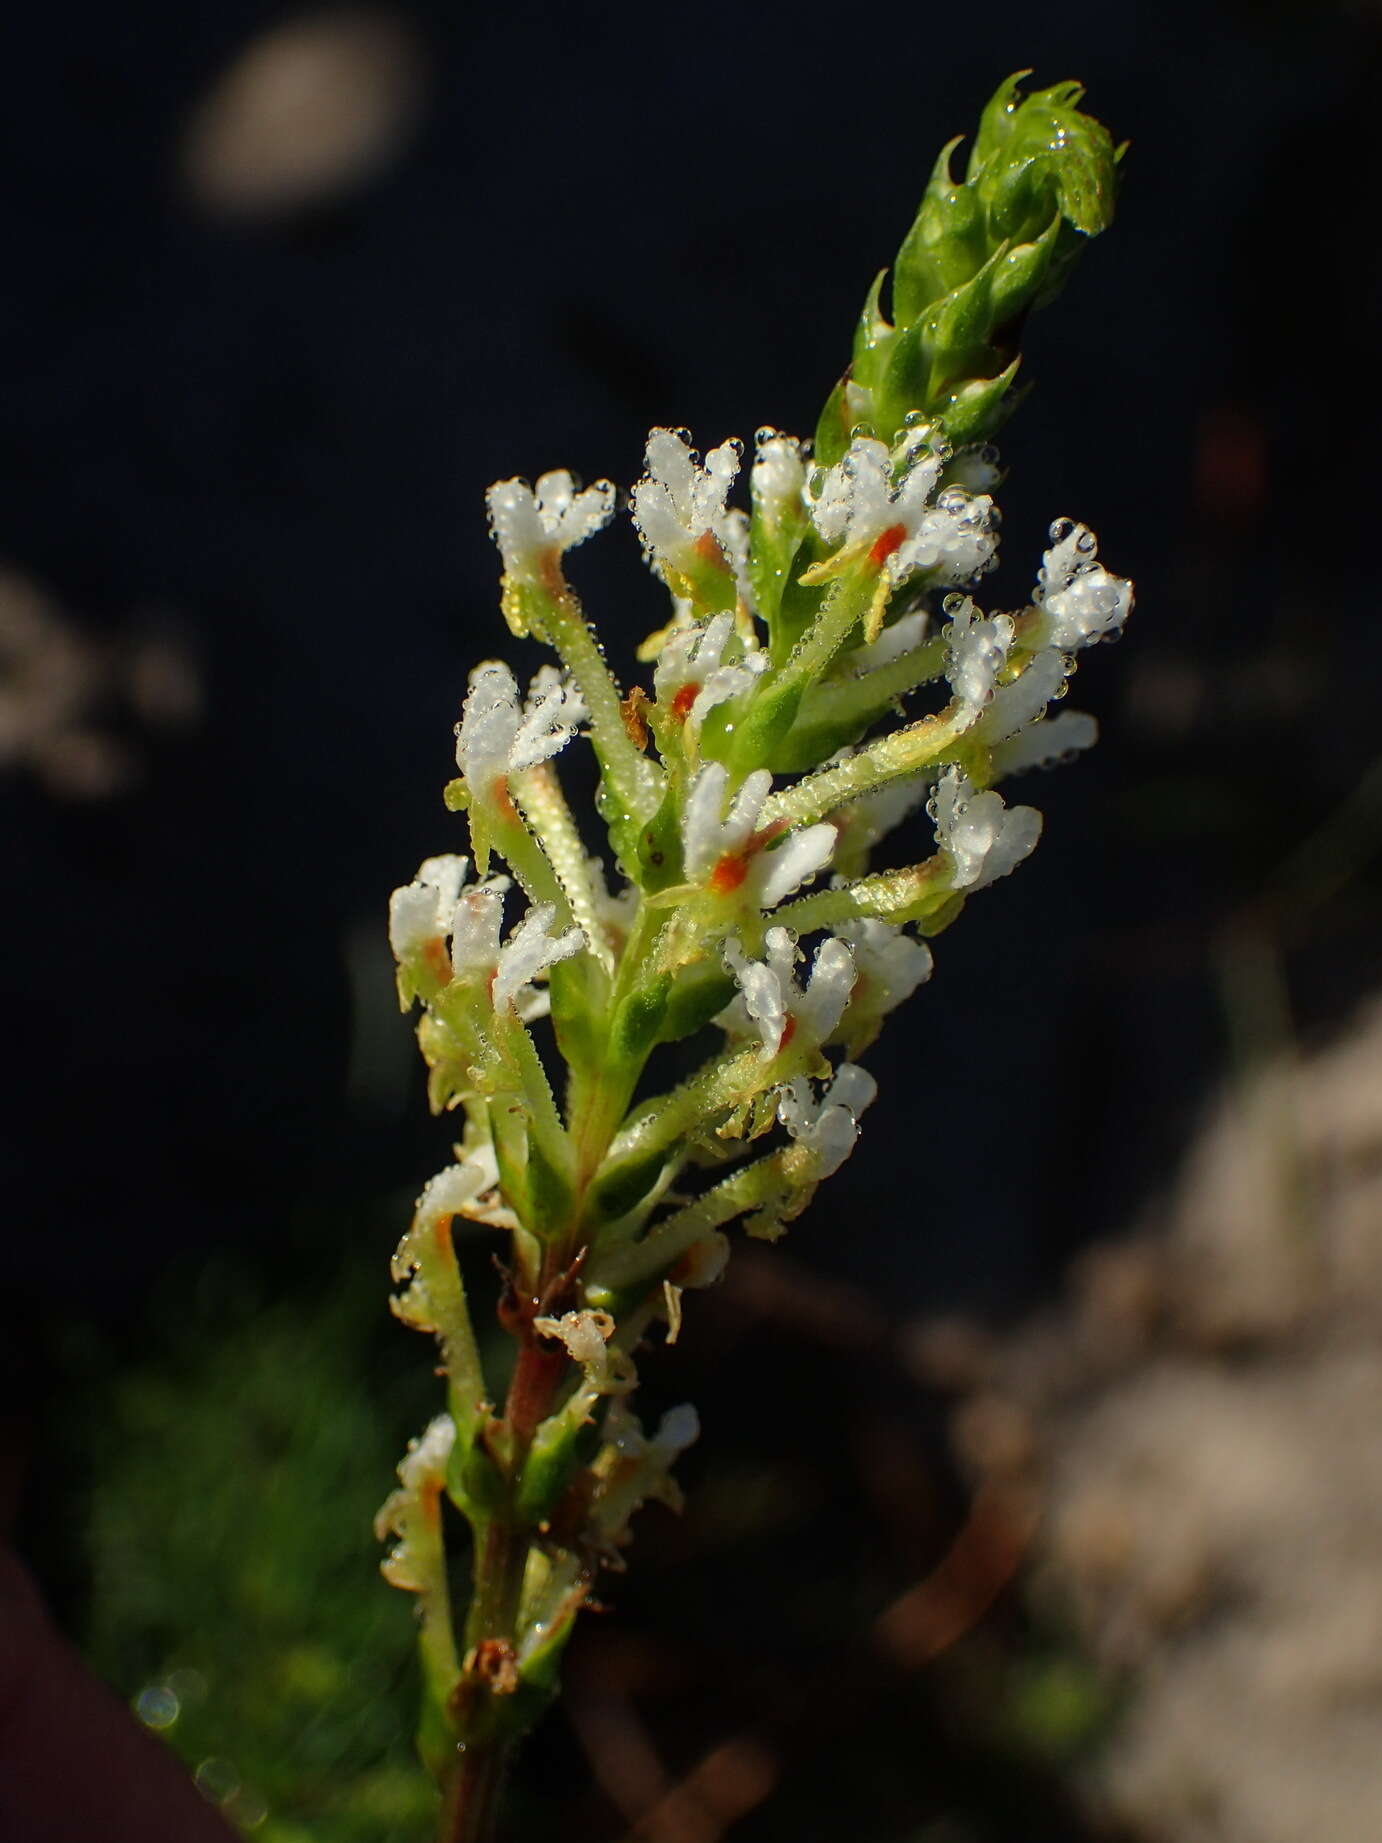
column 306, row 110
column 74, row 704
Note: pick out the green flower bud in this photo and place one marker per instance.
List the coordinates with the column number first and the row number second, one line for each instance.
column 980, row 255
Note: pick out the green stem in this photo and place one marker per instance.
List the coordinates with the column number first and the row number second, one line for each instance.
column 877, row 764
column 556, row 615
column 875, row 690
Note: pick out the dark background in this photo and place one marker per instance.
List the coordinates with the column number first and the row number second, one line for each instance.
column 266, row 429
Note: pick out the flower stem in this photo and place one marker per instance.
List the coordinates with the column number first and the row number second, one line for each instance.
column 470, row 1810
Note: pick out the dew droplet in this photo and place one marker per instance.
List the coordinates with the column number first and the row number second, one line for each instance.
column 157, row 1706
column 217, row 1780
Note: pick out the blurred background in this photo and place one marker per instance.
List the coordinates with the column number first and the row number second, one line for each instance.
column 1040, row 1494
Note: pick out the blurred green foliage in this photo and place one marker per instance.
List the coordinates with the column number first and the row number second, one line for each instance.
column 234, row 1474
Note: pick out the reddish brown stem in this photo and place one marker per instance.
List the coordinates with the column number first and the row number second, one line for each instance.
column 472, row 1797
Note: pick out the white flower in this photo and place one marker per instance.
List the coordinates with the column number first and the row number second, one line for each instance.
column 690, row 678
column 770, row 998
column 708, row 833
column 420, row 912
column 584, row 1334
column 891, row 965
column 530, row 950
column 416, row 1563
column 1040, row 744
column 1081, row 600
column 1013, row 707
column 778, row 477
column 856, row 507
column 827, row 1128
column 715, row 842
column 679, row 1428
column 984, row 838
column 976, row 468
column 427, row 1274
column 679, row 502
column 978, row 646
column 494, row 739
column 475, row 926
column 532, row 527
column 452, row 1191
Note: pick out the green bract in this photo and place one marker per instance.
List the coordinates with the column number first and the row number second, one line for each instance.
column 1041, row 177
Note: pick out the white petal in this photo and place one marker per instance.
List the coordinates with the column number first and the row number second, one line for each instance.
column 984, row 838
column 744, row 809
column 788, row 865
column 763, row 995
column 887, row 956
column 517, row 527
column 475, row 926
column 1040, row 744
column 978, row 652
column 724, row 683
column 778, row 479
column 449, row 1191
column 827, row 991
column 702, row 818
column 1014, row 706
column 552, row 711
column 853, row 1088
column 426, row 1458
column 413, row 920
column 489, row 723
column 1093, row 607
column 420, row 911
column 570, row 516
column 678, row 1429
column 1083, row 601
column 530, row 950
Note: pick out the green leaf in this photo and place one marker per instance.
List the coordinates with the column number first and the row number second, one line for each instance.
column 638, row 1021
column 698, row 994
column 659, row 848
column 769, row 718
column 624, row 1186
column 549, row 1192
column 580, row 995
column 557, row 1451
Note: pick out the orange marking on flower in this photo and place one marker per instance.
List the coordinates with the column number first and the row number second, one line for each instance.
column 707, row 548
column 550, row 573
column 429, row 1499
column 684, row 699
column 885, row 544
column 729, row 873
column 789, row 1030
column 441, row 1228
column 436, row 959
column 499, row 794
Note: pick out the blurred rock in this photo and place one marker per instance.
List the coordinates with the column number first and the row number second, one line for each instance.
column 1203, row 1416
column 73, row 703
column 306, row 110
